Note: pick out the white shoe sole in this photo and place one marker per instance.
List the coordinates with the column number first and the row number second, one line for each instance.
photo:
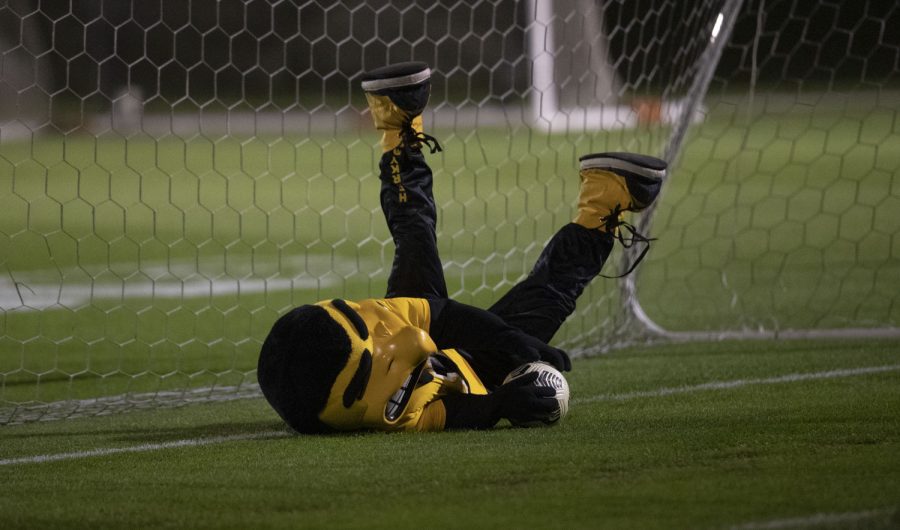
column 375, row 85
column 623, row 165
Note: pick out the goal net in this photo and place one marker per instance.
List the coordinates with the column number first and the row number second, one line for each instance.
column 175, row 175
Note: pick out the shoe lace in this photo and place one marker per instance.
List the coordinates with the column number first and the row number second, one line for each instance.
column 414, row 139
column 614, row 223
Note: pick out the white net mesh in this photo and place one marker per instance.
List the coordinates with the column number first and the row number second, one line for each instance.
column 783, row 215
column 174, row 175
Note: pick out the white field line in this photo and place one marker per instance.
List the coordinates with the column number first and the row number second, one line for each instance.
column 718, row 385
column 738, row 383
column 37, row 296
column 51, row 288
column 54, row 289
column 104, row 406
column 814, row 520
column 192, row 442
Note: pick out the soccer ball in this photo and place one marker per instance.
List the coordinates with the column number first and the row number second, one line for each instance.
column 547, row 376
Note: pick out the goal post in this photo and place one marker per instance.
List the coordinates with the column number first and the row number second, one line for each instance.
column 636, row 322
column 802, row 111
column 174, row 175
column 573, row 83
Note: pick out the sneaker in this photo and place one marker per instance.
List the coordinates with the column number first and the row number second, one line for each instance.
column 614, row 183
column 397, row 95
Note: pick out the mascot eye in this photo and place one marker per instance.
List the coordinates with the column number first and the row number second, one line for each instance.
column 357, row 386
column 353, row 316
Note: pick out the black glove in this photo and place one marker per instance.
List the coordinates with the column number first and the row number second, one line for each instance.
column 519, row 401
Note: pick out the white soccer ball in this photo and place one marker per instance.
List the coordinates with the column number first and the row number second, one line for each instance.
column 547, row 376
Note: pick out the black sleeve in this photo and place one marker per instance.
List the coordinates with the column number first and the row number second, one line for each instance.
column 467, row 411
column 461, row 326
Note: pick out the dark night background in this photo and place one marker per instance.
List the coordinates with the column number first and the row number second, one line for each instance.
column 266, row 54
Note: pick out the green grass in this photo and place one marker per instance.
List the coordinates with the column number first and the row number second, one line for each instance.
column 707, row 459
column 792, row 223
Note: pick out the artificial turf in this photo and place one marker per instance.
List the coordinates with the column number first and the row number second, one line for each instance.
column 808, row 451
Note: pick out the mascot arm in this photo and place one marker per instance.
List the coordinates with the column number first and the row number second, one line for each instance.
column 519, row 400
column 470, row 411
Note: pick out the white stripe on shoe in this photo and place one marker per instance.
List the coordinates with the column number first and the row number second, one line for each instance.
column 603, row 162
column 396, row 82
